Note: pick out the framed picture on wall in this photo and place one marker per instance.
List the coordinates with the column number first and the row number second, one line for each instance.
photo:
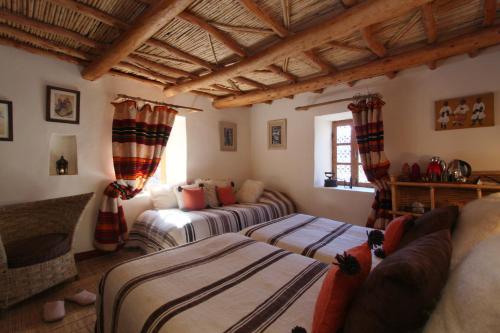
column 63, row 105
column 276, row 134
column 6, row 122
column 228, row 136
column 465, row 112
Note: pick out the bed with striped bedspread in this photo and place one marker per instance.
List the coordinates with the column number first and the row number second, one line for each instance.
column 229, row 283
column 156, row 230
column 315, row 237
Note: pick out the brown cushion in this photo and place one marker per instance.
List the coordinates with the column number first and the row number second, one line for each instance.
column 402, row 290
column 38, row 249
column 435, row 220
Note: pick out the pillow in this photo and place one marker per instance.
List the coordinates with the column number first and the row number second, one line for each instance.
column 193, row 198
column 470, row 302
column 209, row 191
column 402, row 290
column 339, row 287
column 163, row 197
column 226, row 195
column 178, row 194
column 250, row 191
column 478, row 220
column 393, row 235
column 435, row 220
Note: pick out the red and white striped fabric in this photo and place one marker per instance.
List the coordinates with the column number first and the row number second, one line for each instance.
column 139, row 139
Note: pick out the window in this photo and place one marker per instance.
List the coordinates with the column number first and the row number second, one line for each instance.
column 346, row 162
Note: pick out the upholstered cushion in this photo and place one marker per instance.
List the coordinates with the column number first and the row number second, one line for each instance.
column 402, row 290
column 226, row 195
column 470, row 301
column 435, row 220
column 479, row 220
column 163, row 197
column 38, row 249
column 394, row 233
column 337, row 291
column 193, row 198
column 179, row 196
column 250, row 191
column 210, row 193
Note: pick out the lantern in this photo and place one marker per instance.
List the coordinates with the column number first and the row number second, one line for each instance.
column 62, row 166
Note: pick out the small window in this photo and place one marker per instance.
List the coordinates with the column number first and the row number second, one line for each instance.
column 346, row 161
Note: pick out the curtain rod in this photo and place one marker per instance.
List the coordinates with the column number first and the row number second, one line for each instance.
column 310, row 106
column 159, row 103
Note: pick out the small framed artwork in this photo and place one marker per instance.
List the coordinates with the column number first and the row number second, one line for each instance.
column 228, row 136
column 276, row 136
column 63, row 105
column 465, row 112
column 6, row 122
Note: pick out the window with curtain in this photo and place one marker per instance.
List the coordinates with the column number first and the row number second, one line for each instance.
column 346, row 162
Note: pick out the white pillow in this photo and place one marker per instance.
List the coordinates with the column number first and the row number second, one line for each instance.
column 470, row 301
column 250, row 191
column 478, row 220
column 178, row 194
column 163, row 197
column 209, row 192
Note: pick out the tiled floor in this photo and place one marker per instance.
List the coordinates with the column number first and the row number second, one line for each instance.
column 27, row 316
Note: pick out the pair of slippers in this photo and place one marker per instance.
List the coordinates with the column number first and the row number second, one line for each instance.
column 54, row 311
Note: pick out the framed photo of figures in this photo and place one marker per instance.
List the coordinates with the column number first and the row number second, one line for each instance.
column 228, row 136
column 63, row 105
column 465, row 112
column 6, row 122
column 276, row 134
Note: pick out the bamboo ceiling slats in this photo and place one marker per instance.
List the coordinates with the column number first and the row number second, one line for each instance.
column 80, row 31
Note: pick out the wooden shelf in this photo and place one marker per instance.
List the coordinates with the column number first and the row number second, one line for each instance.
column 400, row 213
column 447, row 185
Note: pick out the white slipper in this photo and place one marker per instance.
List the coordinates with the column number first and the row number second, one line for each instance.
column 84, row 297
column 53, row 311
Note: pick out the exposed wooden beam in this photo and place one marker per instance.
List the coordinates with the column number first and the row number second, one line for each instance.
column 279, row 71
column 92, row 12
column 429, row 23
column 146, row 72
column 279, row 29
column 391, row 75
column 352, row 83
column 41, row 42
column 474, row 53
column 159, row 67
column 373, row 44
column 237, row 28
column 250, row 82
column 347, row 47
column 459, row 45
column 137, row 78
column 319, row 91
column 220, row 35
column 349, row 3
column 317, row 61
column 360, row 16
column 432, row 65
column 181, row 54
column 145, row 26
column 226, row 89
column 50, row 28
column 490, row 12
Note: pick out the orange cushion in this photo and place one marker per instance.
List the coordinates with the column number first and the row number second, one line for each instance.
column 226, row 195
column 194, row 198
column 338, row 289
column 394, row 233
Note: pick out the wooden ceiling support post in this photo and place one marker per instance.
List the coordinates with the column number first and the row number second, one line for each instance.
column 429, row 23
column 459, row 45
column 490, row 12
column 360, row 16
column 373, row 44
column 145, row 26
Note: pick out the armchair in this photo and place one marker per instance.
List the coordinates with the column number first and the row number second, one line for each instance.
column 36, row 246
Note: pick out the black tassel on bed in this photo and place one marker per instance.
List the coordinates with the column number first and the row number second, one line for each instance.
column 348, row 263
column 379, row 253
column 298, row 329
column 375, row 238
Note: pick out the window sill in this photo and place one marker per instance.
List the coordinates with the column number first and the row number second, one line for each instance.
column 342, row 188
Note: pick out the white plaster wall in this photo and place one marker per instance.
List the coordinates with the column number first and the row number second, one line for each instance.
column 409, row 131
column 24, row 174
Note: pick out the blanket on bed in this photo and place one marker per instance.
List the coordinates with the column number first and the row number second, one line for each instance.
column 228, row 283
column 315, row 237
column 160, row 229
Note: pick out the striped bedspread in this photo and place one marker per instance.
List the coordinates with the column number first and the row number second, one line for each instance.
column 160, row 229
column 228, row 283
column 315, row 237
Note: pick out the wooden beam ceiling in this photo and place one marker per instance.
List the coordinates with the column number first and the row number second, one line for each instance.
column 429, row 23
column 354, row 19
column 459, row 45
column 490, row 12
column 373, row 44
column 145, row 26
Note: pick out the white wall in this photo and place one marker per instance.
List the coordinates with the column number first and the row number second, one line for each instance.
column 24, row 174
column 409, row 131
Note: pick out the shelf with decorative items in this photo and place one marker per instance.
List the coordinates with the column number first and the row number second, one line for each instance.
column 415, row 196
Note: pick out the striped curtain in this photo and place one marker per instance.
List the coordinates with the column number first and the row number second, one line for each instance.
column 139, row 139
column 369, row 127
